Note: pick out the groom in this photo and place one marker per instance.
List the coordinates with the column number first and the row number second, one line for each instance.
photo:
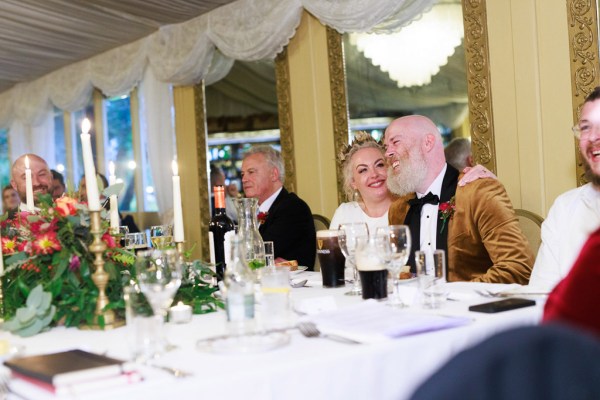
column 475, row 224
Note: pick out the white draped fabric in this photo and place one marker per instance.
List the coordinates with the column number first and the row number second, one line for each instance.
column 25, row 138
column 182, row 53
column 156, row 125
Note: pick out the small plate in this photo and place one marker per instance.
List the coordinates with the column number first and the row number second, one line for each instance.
column 300, row 269
column 245, row 344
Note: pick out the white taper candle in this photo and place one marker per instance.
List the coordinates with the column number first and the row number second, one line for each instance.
column 91, row 182
column 178, row 235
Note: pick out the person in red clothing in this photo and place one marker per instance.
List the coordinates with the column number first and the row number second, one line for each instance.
column 574, row 301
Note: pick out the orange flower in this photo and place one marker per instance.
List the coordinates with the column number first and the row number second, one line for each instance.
column 46, row 243
column 66, row 206
column 9, row 246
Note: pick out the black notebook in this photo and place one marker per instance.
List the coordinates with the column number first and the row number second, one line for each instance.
column 66, row 367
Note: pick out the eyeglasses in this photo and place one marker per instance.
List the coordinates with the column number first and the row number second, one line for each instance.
column 583, row 131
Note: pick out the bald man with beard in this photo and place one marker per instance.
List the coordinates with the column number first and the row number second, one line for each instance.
column 41, row 177
column 482, row 239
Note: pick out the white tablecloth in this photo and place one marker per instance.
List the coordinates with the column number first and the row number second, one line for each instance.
column 307, row 368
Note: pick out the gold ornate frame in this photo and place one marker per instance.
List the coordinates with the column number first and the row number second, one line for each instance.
column 478, row 83
column 286, row 134
column 583, row 47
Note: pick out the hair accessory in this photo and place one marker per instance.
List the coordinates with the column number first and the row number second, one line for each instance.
column 360, row 138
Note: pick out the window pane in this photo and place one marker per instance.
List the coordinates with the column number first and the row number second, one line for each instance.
column 4, row 160
column 119, row 148
column 59, row 143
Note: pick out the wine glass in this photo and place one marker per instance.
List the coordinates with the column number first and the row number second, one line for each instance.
column 400, row 242
column 159, row 274
column 161, row 236
column 348, row 232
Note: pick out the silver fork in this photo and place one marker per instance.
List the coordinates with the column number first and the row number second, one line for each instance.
column 309, row 329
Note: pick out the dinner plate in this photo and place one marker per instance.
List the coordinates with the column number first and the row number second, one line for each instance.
column 409, row 280
column 300, row 269
column 245, row 344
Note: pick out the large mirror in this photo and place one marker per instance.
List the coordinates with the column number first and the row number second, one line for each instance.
column 455, row 92
column 417, row 70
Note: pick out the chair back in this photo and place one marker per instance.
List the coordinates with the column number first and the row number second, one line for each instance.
column 531, row 225
column 321, row 223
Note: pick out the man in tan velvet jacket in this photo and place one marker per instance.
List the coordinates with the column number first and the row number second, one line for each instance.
column 481, row 235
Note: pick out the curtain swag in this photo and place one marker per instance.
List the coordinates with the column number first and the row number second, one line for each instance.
column 185, row 53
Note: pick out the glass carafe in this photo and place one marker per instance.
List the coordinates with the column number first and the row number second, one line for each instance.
column 253, row 245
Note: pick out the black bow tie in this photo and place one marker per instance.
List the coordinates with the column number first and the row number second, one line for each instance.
column 429, row 198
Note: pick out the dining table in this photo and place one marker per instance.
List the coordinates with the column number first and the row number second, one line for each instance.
column 300, row 367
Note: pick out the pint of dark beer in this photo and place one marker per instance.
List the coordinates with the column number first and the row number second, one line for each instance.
column 331, row 258
column 371, row 267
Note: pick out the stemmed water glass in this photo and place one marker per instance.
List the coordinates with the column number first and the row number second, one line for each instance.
column 400, row 242
column 348, row 232
column 159, row 274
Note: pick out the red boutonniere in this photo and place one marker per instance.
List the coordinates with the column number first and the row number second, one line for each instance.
column 446, row 212
column 262, row 217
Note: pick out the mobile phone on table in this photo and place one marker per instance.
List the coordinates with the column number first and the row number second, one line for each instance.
column 502, row 305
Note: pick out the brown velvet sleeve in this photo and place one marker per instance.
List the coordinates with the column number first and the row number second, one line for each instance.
column 499, row 231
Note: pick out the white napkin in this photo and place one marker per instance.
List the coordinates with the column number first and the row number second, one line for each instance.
column 465, row 291
column 372, row 321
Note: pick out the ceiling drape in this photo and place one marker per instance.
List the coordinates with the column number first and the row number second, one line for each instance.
column 183, row 54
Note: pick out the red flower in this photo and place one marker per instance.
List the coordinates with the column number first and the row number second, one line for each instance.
column 446, row 212
column 41, row 226
column 66, row 206
column 262, row 217
column 46, row 243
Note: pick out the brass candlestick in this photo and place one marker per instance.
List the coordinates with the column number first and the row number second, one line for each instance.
column 179, row 247
column 100, row 277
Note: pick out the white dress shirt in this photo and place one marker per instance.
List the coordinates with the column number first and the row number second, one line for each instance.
column 573, row 217
column 429, row 215
column 264, row 207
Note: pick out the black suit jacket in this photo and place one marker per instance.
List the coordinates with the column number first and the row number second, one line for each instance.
column 289, row 225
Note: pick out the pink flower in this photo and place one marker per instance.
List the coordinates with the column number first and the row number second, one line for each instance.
column 109, row 240
column 74, row 263
column 46, row 243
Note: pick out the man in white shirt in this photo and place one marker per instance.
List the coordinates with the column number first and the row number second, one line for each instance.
column 285, row 219
column 475, row 223
column 575, row 214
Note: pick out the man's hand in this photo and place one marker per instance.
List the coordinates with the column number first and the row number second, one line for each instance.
column 473, row 173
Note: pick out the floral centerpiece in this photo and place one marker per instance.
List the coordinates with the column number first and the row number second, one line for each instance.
column 48, row 268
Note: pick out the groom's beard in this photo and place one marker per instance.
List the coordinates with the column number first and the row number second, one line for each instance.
column 410, row 174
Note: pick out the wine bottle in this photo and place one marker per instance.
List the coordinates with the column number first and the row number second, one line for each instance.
column 219, row 225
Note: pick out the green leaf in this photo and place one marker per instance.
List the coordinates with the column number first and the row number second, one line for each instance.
column 114, row 189
column 25, row 315
column 32, row 329
column 35, row 297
